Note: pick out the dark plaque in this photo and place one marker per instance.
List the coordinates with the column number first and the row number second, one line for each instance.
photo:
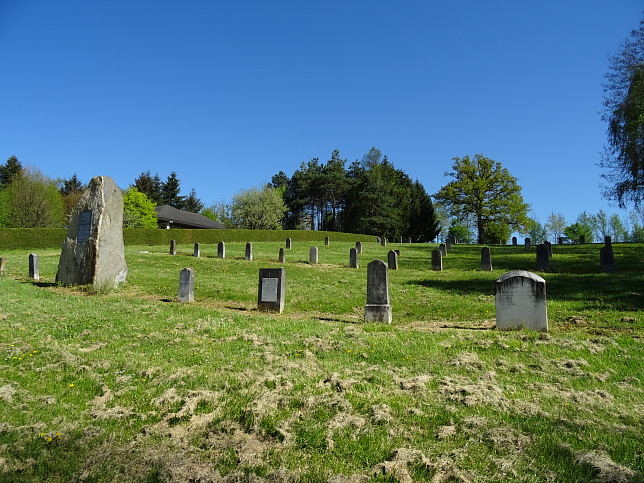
column 84, row 226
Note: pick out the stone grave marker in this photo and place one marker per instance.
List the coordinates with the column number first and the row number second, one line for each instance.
column 313, row 255
column 270, row 291
column 560, row 240
column 520, row 300
column 437, row 260
column 400, row 239
column 249, row 251
column 514, row 241
column 34, row 267
column 443, row 248
column 288, row 243
column 543, row 260
column 383, row 241
column 186, row 285
column 326, row 241
column 486, row 259
column 392, row 260
column 221, row 250
column 607, row 259
column 197, row 251
column 409, row 240
column 528, row 244
column 448, row 246
column 549, row 248
column 93, row 251
column 378, row 308
column 173, row 247
column 582, row 240
column 281, row 257
column 353, row 258
column 607, row 241
column 3, row 265
column 359, row 247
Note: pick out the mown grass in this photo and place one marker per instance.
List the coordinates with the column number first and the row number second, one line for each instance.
column 130, row 385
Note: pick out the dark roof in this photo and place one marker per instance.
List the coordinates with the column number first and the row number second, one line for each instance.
column 185, row 219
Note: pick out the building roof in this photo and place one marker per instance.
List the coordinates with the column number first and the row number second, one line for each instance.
column 184, row 219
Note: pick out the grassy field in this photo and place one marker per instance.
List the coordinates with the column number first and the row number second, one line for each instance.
column 130, row 385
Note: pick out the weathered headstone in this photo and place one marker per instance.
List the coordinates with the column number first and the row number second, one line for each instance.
column 197, row 251
column 221, row 250
column 437, row 260
column 400, row 239
column 543, row 260
column 378, row 308
column 528, row 244
column 392, row 260
column 270, row 291
column 353, row 258
column 383, row 241
column 288, row 243
column 186, row 285
column 3, row 265
column 607, row 259
column 607, row 241
column 93, row 251
column 486, row 259
column 448, row 245
column 582, row 240
column 443, row 248
column 409, row 240
column 173, row 247
column 326, row 241
column 549, row 248
column 359, row 247
column 520, row 299
column 514, row 241
column 281, row 257
column 249, row 251
column 560, row 240
column 34, row 267
column 313, row 255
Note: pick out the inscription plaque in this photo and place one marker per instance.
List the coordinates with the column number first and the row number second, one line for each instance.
column 269, row 289
column 84, row 226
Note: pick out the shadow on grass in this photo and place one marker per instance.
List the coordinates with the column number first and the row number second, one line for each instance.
column 472, row 286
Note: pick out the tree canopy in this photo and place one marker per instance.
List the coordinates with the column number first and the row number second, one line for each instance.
column 258, row 209
column 138, row 210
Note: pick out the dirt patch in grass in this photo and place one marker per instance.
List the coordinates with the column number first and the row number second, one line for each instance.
column 604, row 468
column 483, row 391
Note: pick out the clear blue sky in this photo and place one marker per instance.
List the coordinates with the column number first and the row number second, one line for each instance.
column 229, row 93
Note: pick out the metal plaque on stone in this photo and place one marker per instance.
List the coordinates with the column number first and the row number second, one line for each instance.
column 84, row 226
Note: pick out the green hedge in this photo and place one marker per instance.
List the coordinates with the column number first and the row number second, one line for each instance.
column 27, row 238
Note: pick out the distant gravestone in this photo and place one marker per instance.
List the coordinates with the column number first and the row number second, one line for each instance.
column 93, row 251
column 549, row 248
column 582, row 240
column 409, row 240
column 486, row 259
column 514, row 241
column 249, row 251
column 448, row 246
column 560, row 240
column 443, row 248
column 400, row 239
column 313, row 255
column 3, row 265
column 326, row 241
column 383, row 241
column 34, row 268
column 359, row 247
column 607, row 259
column 270, row 291
column 353, row 258
column 221, row 250
column 173, row 247
column 186, row 285
column 392, row 260
column 197, row 251
column 607, row 241
column 437, row 260
column 543, row 260
column 281, row 257
column 520, row 300
column 378, row 308
column 528, row 244
column 288, row 243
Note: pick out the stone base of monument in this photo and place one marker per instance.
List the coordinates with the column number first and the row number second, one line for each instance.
column 377, row 313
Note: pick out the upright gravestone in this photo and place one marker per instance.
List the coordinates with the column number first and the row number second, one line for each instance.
column 392, row 260
column 520, row 299
column 249, row 251
column 486, row 259
column 326, row 241
column 448, row 245
column 93, row 252
column 560, row 240
column 221, row 250
column 313, row 255
column 549, row 248
column 288, row 243
column 528, row 244
column 359, row 247
column 378, row 308
column 383, row 241
column 582, row 240
column 270, row 292
column 437, row 260
column 607, row 259
column 34, row 270
column 400, row 239
column 173, row 247
column 281, row 257
column 186, row 285
column 409, row 240
column 3, row 265
column 197, row 252
column 443, row 248
column 607, row 241
column 353, row 258
column 514, row 241
column 543, row 260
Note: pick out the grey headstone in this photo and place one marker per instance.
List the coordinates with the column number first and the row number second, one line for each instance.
column 359, row 247
column 186, row 285
column 409, row 240
column 34, row 270
column 400, row 239
column 383, row 241
column 560, row 240
column 528, row 244
column 448, row 246
column 543, row 260
column 378, row 308
column 607, row 241
column 282, row 257
column 288, row 243
column 313, row 255
column 437, row 260
column 3, row 265
column 514, row 241
column 270, row 291
column 221, row 250
column 173, row 247
column 353, row 258
column 486, row 259
column 392, row 260
column 197, row 252
column 249, row 251
column 549, row 247
column 520, row 300
column 100, row 260
column 443, row 248
column 326, row 240
column 582, row 240
column 607, row 259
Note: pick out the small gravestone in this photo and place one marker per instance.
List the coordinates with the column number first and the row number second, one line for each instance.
column 281, row 257
column 326, row 241
column 383, row 241
column 3, row 265
column 514, row 241
column 186, row 285
column 486, row 259
column 560, row 240
column 313, row 255
column 34, row 270
column 93, row 251
column 607, row 241
column 549, row 248
column 409, row 240
column 582, row 240
column 353, row 258
column 221, row 250
column 359, row 247
column 173, row 247
column 607, row 259
column 528, row 244
column 443, row 248
column 520, row 300
column 288, row 243
column 249, row 251
column 392, row 260
column 437, row 260
column 197, row 252
column 400, row 239
column 448, row 245
column 543, row 260
column 378, row 308
column 270, row 292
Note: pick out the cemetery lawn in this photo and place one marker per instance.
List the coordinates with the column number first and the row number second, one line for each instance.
column 130, row 385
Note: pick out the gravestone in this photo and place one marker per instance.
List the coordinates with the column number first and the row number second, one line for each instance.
column 607, row 259
column 514, row 241
column 397, row 251
column 173, row 247
column 448, row 246
column 326, row 241
column 197, row 252
column 528, row 244
column 93, row 251
column 377, row 239
column 560, row 240
column 607, row 241
column 288, row 243
column 392, row 260
column 383, row 241
column 549, row 248
column 443, row 248
column 221, row 250
column 378, row 308
column 34, row 269
column 313, row 255
column 3, row 265
column 186, row 285
column 409, row 240
column 543, row 260
column 353, row 258
column 520, row 300
column 249, row 251
column 486, row 259
column 270, row 291
column 281, row 257
column 359, row 247
column 437, row 260
column 400, row 239
column 582, row 240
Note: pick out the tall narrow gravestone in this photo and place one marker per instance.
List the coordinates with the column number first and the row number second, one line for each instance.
column 392, row 260
column 34, row 269
column 270, row 292
column 326, row 240
column 313, row 255
column 448, row 245
column 377, row 308
column 359, row 247
column 486, row 259
column 3, row 265
column 443, row 249
column 197, row 251
column 288, row 243
column 249, row 251
column 528, row 244
column 543, row 260
column 353, row 258
column 607, row 259
column 549, row 248
column 186, row 285
column 173, row 247
column 582, row 239
column 437, row 260
column 221, row 250
column 93, row 252
column 281, row 258
column 383, row 241
column 514, row 241
column 520, row 300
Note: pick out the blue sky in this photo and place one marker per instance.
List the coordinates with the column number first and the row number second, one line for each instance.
column 229, row 93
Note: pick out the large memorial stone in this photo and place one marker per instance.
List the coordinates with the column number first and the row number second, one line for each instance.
column 249, row 251
column 313, row 255
column 486, row 259
column 221, row 250
column 186, row 285
column 607, row 259
column 93, row 252
column 353, row 258
column 520, row 300
column 437, row 260
column 270, row 291
column 543, row 260
column 378, row 308
column 392, row 260
column 34, row 267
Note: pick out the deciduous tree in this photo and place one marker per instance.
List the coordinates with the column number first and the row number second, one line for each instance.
column 555, row 225
column 138, row 210
column 258, row 209
column 33, row 201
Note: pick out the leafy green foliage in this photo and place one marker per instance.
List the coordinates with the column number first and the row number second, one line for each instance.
column 460, row 233
column 32, row 201
column 555, row 225
column 138, row 210
column 536, row 231
column 258, row 209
